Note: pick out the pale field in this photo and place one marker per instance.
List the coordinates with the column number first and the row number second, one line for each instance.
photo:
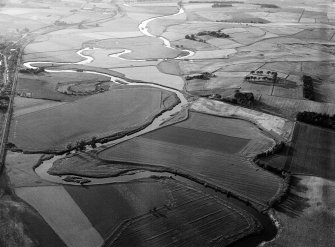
column 223, row 80
column 102, row 59
column 257, row 88
column 282, row 30
column 191, row 67
column 289, row 107
column 58, row 42
column 293, row 92
column 10, row 24
column 283, row 52
column 223, row 43
column 283, row 17
column 307, row 216
column 292, row 68
column 158, row 26
column 27, row 105
column 250, row 37
column 232, row 127
column 61, row 212
column 32, row 15
column 20, row 169
column 326, row 92
column 220, row 83
column 194, row 45
column 152, row 74
column 241, row 66
column 73, row 38
column 324, row 70
column 295, row 78
column 213, row 15
column 155, row 9
column 68, row 56
column 277, row 126
column 213, row 54
column 170, row 67
column 84, row 16
column 141, row 47
column 177, row 32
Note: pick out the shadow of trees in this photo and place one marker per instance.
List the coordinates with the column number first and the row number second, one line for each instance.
column 294, row 204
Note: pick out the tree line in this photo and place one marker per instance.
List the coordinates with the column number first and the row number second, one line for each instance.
column 318, row 119
column 308, row 89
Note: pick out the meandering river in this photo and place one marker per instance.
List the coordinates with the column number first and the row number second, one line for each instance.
column 158, row 121
column 270, row 230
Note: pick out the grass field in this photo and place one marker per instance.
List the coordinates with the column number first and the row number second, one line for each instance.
column 290, row 107
column 313, row 151
column 24, row 105
column 98, row 115
column 20, row 169
column 306, row 218
column 158, row 208
column 62, row 214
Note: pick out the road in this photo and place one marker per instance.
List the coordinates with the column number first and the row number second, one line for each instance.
column 8, row 117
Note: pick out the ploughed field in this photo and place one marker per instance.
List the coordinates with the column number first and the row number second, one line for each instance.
column 211, row 155
column 150, row 212
column 99, row 115
column 312, row 151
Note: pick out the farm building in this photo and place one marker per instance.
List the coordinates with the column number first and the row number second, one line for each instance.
column 261, row 76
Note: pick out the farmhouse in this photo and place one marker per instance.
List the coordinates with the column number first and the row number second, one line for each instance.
column 261, row 76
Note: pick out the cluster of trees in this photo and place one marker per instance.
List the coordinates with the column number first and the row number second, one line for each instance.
column 278, row 171
column 216, row 34
column 221, row 5
column 308, row 89
column 276, row 149
column 32, row 71
column 318, row 119
column 81, row 145
column 60, row 23
column 4, row 102
column 75, row 179
column 245, row 99
column 195, row 38
column 202, row 76
column 261, row 76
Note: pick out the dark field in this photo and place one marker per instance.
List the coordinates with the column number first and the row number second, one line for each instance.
column 313, row 151
column 147, row 212
column 204, row 139
column 231, row 172
column 220, row 125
